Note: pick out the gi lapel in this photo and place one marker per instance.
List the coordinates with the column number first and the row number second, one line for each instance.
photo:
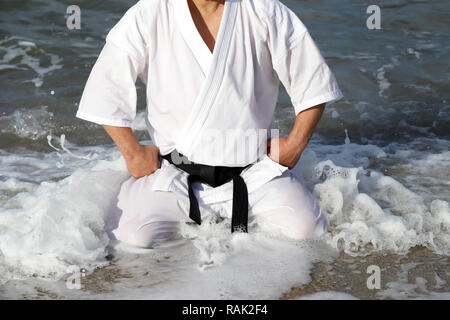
column 214, row 75
column 191, row 35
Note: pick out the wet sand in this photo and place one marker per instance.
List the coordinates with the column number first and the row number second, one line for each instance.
column 349, row 275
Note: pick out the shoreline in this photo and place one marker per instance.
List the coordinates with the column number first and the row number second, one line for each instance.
column 420, row 274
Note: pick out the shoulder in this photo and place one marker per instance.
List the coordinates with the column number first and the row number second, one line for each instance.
column 278, row 18
column 140, row 17
column 133, row 32
column 273, row 10
column 147, row 10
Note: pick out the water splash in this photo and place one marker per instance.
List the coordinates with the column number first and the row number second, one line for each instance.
column 62, row 141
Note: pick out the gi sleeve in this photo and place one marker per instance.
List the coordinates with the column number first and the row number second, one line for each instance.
column 109, row 97
column 298, row 62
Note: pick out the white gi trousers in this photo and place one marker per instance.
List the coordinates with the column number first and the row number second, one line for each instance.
column 145, row 217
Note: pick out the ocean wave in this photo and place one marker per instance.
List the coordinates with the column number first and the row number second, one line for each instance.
column 370, row 212
column 23, row 54
column 37, row 123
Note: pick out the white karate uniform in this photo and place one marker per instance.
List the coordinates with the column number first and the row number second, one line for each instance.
column 195, row 97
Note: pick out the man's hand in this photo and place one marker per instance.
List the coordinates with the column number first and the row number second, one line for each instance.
column 287, row 151
column 141, row 160
column 284, row 151
column 144, row 161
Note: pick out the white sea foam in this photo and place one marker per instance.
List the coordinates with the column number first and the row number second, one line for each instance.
column 59, row 223
column 383, row 82
column 369, row 211
column 55, row 217
column 213, row 264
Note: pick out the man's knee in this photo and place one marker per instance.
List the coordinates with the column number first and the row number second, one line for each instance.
column 147, row 235
column 295, row 223
column 306, row 228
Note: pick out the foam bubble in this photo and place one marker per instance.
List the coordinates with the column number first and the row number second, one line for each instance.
column 335, row 114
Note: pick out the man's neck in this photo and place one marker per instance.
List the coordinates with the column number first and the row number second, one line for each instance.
column 207, row 15
column 208, row 7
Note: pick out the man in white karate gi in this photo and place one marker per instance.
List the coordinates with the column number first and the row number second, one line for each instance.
column 212, row 70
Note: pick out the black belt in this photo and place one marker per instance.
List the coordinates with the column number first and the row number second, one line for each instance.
column 214, row 176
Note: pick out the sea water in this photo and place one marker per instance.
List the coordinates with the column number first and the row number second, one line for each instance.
column 379, row 165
